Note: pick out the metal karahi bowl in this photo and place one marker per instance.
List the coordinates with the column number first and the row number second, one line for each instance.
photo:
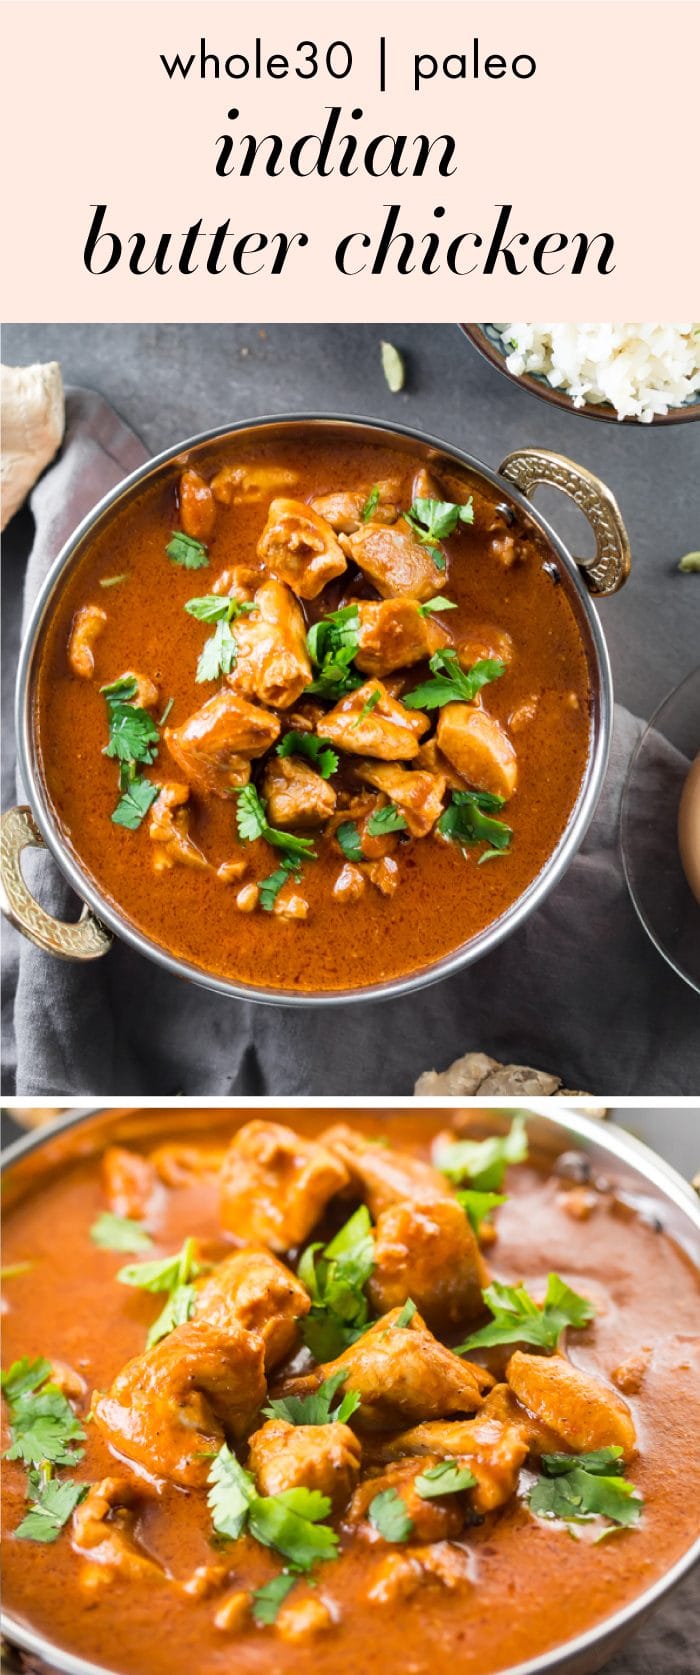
column 641, row 1179
column 101, row 918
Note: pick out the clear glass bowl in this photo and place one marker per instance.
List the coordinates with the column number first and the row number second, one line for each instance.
column 656, row 881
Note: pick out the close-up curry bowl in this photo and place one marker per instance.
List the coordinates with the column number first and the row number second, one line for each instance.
column 313, row 709
column 292, row 1384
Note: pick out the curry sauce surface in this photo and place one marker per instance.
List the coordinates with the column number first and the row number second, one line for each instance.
column 444, row 897
column 532, row 1585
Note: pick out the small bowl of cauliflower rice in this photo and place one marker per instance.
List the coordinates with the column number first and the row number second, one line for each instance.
column 638, row 374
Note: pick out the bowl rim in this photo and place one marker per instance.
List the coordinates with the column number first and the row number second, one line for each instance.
column 616, row 1142
column 477, row 335
column 467, row 953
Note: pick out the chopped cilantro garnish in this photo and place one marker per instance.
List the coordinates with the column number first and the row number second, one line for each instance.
column 348, row 836
column 478, row 1205
column 406, row 1314
column 270, row 887
column 387, row 1512
column 133, row 740
column 483, row 1163
column 385, row 820
column 435, row 520
column 43, row 1426
column 367, row 708
column 335, row 1277
column 266, row 1601
column 437, row 604
column 316, row 1409
column 135, row 803
column 468, row 820
column 291, row 1522
column 370, row 504
column 578, row 1487
column 52, row 1505
column 332, row 643
column 517, row 1318
column 318, row 751
column 113, row 581
column 220, row 651
column 451, row 683
column 184, row 550
column 448, row 1478
column 119, row 1233
column 252, row 823
column 173, row 1274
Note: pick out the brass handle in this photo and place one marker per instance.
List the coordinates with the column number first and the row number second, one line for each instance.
column 86, row 939
column 611, row 566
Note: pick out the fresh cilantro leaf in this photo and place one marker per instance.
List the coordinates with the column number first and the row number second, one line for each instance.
column 267, row 1600
column 348, row 836
column 176, row 1311
column 166, row 1273
column 231, row 1495
column 216, row 607
column 478, row 1205
column 406, row 1315
column 387, row 1512
column 135, row 803
column 270, row 887
column 44, row 1427
column 435, row 520
column 367, row 708
column 218, row 655
column 122, row 690
column 370, row 504
column 113, row 581
column 23, row 1377
column 451, row 683
column 316, row 1408
column 385, row 820
column 251, row 820
column 465, row 822
column 483, row 1162
column 166, row 712
column 449, row 1478
column 579, row 1487
column 332, row 643
column 112, row 1232
column 517, row 1318
column 437, row 604
column 184, row 550
column 491, row 855
column 335, row 1277
column 318, row 751
column 289, row 1522
column 133, row 735
column 53, row 1504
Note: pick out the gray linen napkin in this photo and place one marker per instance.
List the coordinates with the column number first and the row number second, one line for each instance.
column 579, row 989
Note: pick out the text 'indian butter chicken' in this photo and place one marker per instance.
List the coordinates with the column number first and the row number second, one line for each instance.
column 315, row 718
column 277, row 1402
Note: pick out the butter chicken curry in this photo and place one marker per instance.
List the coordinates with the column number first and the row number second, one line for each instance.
column 312, row 718
column 277, row 1402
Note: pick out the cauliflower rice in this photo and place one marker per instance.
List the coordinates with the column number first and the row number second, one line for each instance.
column 640, row 370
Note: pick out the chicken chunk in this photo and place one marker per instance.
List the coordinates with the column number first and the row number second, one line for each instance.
column 147, row 694
column 175, row 1404
column 485, row 641
column 419, row 795
column 246, row 485
column 394, row 560
column 167, row 828
column 255, row 1291
column 585, row 1413
column 343, row 510
column 296, row 794
column 384, row 1177
column 401, row 1574
column 273, row 663
column 275, row 1185
column 433, row 1519
column 86, row 627
column 104, row 1528
column 302, row 1620
column 402, row 1374
column 432, row 761
column 394, row 633
column 387, row 730
column 214, row 749
column 130, row 1182
column 197, row 506
column 323, row 1457
column 298, row 547
column 492, row 1452
column 350, row 884
column 503, row 1406
column 477, row 746
column 179, row 1164
column 238, row 581
column 428, row 1252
